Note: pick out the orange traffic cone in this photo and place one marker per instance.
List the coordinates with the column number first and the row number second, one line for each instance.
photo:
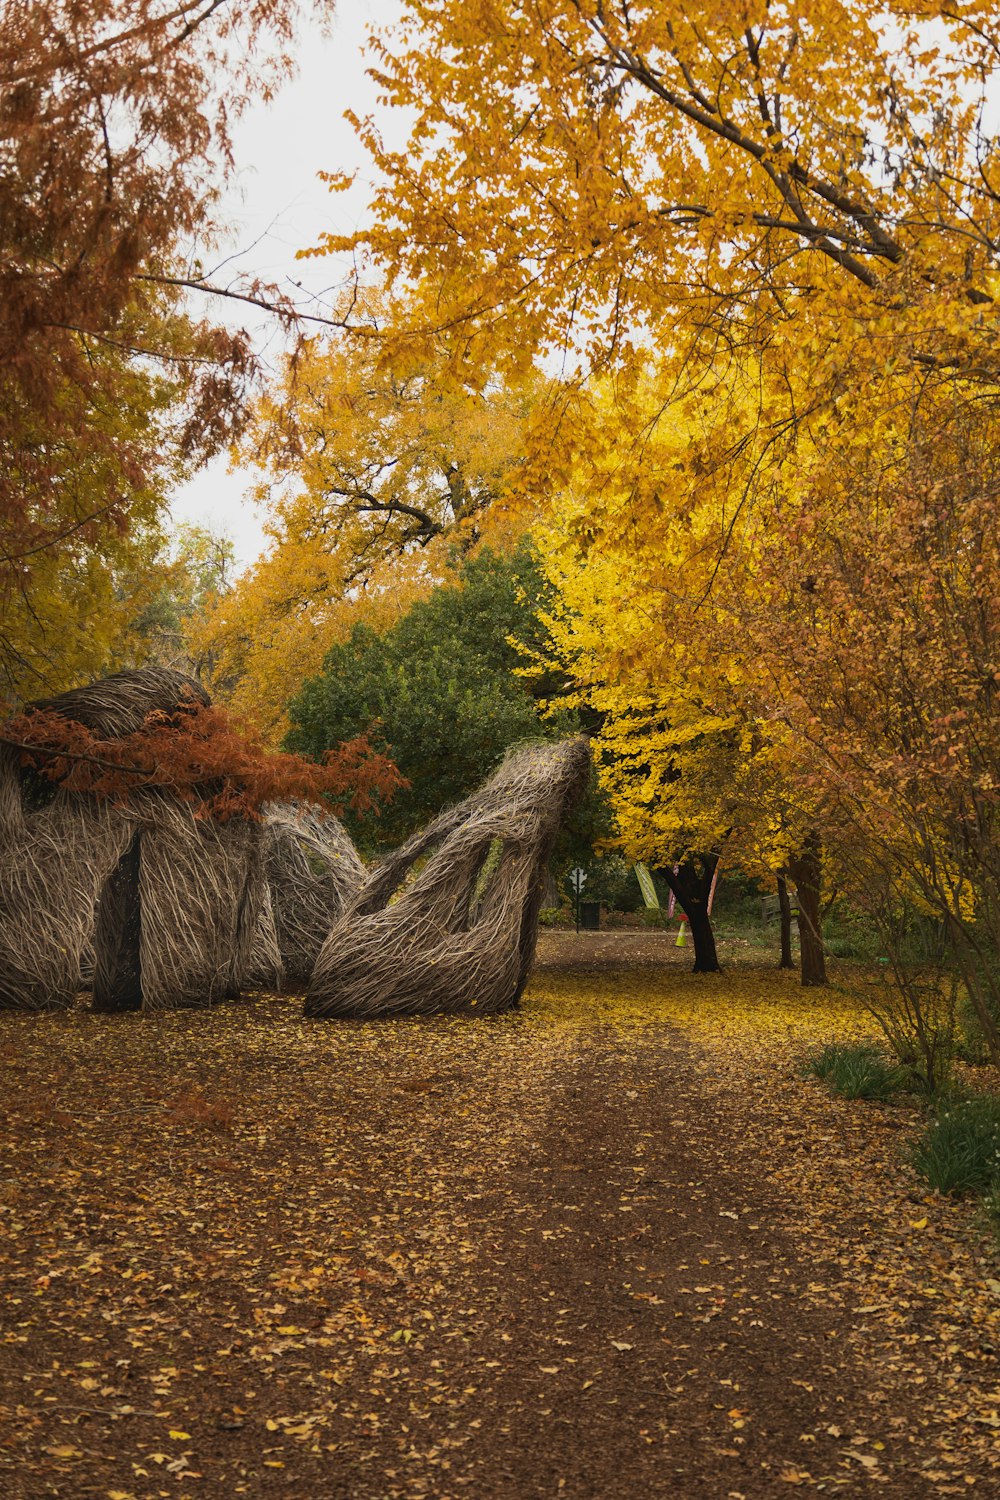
column 682, row 934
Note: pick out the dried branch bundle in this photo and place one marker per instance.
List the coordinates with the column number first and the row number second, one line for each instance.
column 176, row 926
column 54, row 861
column 119, row 705
column 313, row 871
column 265, row 970
column 461, row 934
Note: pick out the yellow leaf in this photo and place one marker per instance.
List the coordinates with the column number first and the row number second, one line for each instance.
column 178, row 1436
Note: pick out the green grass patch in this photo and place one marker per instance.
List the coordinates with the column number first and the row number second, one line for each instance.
column 960, row 1150
column 857, row 1070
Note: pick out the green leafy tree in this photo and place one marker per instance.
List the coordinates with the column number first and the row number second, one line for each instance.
column 443, row 692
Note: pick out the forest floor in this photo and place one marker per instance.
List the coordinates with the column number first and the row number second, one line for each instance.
column 611, row 1245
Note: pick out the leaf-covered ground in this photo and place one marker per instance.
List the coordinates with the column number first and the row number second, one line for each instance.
column 609, row 1245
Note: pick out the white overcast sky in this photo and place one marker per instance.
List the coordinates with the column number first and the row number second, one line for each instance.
column 278, row 206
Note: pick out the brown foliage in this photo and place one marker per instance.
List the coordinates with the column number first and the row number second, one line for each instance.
column 114, row 142
column 193, row 1108
column 195, row 752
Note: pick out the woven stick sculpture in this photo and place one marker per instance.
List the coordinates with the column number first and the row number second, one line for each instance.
column 176, row 924
column 54, row 861
column 59, row 851
column 461, row 935
column 176, row 897
column 312, row 871
column 118, row 705
column 264, row 970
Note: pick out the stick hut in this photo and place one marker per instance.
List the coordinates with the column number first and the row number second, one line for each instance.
column 56, row 855
column 168, row 901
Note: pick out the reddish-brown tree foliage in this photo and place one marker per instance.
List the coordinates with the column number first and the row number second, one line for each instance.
column 114, row 142
column 198, row 754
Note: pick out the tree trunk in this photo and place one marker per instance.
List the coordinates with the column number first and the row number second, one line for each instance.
column 705, row 958
column 806, row 870
column 691, row 885
column 785, row 910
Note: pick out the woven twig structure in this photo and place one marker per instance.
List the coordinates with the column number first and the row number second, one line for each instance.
column 461, row 933
column 176, row 924
column 313, row 871
column 176, row 897
column 54, row 861
column 118, row 705
column 264, row 970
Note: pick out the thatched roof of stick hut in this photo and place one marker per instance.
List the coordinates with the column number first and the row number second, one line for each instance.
column 461, row 934
column 119, row 705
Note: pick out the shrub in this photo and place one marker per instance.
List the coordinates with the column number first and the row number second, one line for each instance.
column 857, row 1070
column 843, row 947
column 916, row 1010
column 960, row 1151
column 971, row 1046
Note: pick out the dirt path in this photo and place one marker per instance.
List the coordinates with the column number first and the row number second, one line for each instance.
column 663, row 1333
column 530, row 1257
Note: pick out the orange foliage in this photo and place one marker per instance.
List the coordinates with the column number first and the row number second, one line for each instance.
column 197, row 753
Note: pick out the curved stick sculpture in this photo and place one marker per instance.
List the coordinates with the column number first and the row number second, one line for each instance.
column 176, row 921
column 461, row 935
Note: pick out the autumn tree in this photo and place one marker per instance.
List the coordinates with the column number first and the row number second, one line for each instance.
column 115, row 121
column 884, row 667
column 634, row 172
column 687, row 784
column 782, row 224
column 373, row 471
column 196, row 568
column 390, row 453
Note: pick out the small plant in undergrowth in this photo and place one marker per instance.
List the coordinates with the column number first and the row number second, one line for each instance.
column 192, row 1108
column 857, row 1070
column 960, row 1150
column 916, row 1009
column 991, row 1212
column 972, row 1045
